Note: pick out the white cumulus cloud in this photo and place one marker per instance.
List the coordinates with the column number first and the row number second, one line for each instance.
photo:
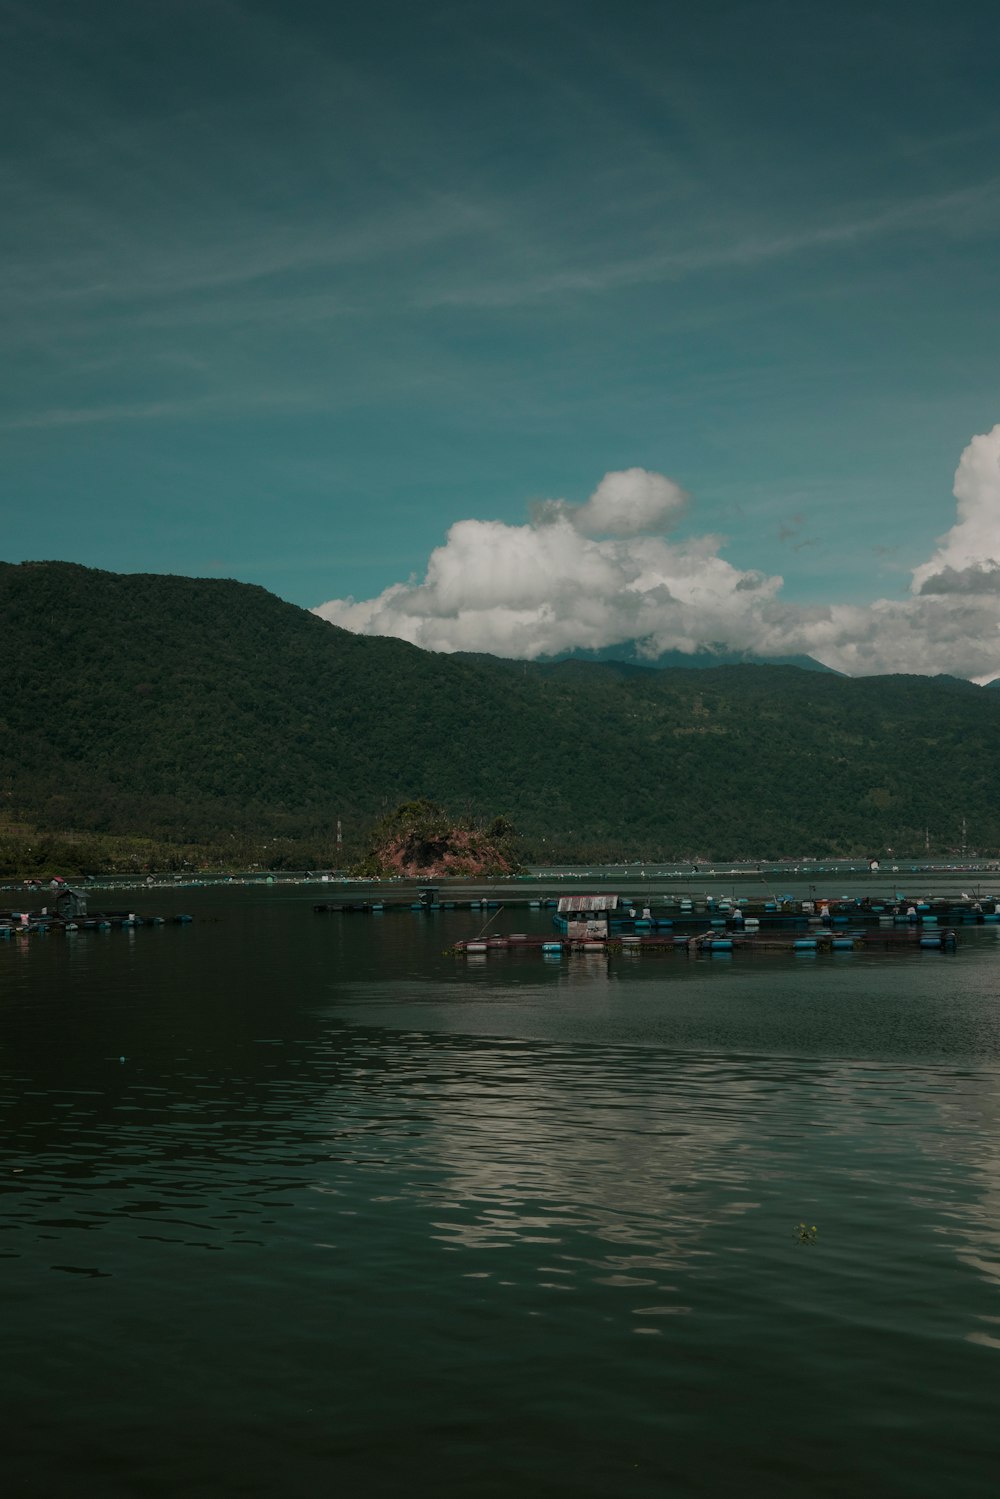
column 630, row 502
column 606, row 571
column 968, row 559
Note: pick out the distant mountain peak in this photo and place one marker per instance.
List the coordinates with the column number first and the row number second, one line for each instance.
column 630, row 653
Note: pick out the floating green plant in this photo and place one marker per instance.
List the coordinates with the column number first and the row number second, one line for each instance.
column 807, row 1233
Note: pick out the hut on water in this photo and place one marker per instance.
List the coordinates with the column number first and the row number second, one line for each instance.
column 586, row 916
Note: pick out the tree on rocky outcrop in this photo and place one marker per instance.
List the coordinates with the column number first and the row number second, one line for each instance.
column 419, row 840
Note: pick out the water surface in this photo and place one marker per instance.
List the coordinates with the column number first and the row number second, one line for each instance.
column 298, row 1204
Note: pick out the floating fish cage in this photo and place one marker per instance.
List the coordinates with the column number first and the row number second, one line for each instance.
column 28, row 923
column 711, row 944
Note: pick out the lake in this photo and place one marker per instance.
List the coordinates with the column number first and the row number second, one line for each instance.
column 299, row 1204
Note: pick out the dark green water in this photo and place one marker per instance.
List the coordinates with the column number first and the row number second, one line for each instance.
column 351, row 1217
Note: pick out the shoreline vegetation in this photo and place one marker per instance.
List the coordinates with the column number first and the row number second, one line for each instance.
column 416, row 840
column 31, row 853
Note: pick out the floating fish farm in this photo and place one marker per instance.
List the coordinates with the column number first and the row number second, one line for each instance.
column 14, row 924
column 704, row 928
column 714, row 944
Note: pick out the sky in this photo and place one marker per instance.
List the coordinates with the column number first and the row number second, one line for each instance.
column 516, row 326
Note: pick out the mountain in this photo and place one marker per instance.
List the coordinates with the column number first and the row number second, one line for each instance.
column 203, row 711
column 630, row 653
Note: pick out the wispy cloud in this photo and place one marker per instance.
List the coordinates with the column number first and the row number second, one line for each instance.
column 790, row 528
column 949, row 212
column 237, row 404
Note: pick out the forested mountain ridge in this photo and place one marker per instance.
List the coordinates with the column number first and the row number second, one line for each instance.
column 195, row 710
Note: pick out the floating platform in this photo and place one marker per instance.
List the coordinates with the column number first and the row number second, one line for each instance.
column 688, row 916
column 375, row 907
column 21, row 923
column 711, row 944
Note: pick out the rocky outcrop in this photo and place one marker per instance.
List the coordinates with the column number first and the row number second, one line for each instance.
column 420, row 841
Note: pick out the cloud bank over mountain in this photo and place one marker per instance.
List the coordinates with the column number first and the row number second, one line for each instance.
column 591, row 575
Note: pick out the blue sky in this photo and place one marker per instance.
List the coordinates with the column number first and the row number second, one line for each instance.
column 291, row 289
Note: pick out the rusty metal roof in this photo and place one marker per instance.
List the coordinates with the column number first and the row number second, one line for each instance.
column 570, row 903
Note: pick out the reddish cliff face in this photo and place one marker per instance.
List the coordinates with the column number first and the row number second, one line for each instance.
column 458, row 851
column 421, row 841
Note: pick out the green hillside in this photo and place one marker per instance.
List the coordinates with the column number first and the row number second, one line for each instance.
column 200, row 711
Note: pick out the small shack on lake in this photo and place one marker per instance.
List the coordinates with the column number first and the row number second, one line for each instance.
column 70, row 904
column 587, row 916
